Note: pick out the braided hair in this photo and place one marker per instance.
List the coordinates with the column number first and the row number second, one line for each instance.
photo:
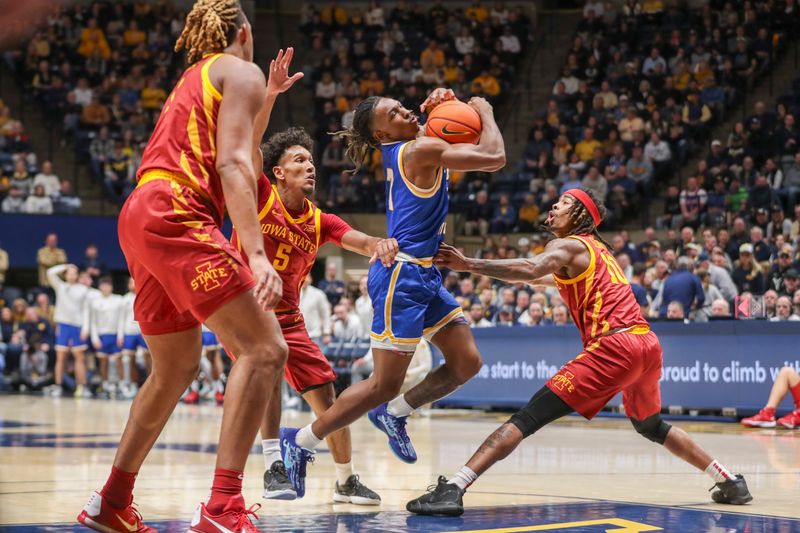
column 211, row 26
column 360, row 137
column 582, row 222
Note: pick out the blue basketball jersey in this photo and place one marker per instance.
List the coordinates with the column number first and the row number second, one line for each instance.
column 414, row 216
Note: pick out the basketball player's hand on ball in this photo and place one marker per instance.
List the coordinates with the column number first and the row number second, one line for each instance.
column 481, row 105
column 385, row 250
column 279, row 80
column 435, row 98
column 269, row 286
column 451, row 257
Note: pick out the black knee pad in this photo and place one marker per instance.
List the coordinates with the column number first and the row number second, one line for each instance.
column 542, row 409
column 652, row 428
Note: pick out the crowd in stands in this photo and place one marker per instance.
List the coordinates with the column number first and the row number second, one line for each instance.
column 640, row 91
column 26, row 187
column 401, row 50
column 100, row 73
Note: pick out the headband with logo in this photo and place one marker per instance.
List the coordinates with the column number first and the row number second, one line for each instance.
column 588, row 203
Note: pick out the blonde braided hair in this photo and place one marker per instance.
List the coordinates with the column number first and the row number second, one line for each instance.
column 210, row 26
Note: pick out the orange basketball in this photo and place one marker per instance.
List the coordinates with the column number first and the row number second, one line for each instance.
column 454, row 122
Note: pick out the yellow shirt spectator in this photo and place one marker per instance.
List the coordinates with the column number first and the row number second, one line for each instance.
column 133, row 36
column 331, row 14
column 529, row 213
column 477, row 12
column 373, row 83
column 152, row 96
column 488, row 84
column 432, row 55
column 585, row 149
column 93, row 38
column 652, row 6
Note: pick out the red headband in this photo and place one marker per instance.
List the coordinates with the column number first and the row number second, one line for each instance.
column 588, row 203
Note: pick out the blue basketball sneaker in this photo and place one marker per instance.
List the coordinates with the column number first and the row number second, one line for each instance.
column 295, row 459
column 395, row 429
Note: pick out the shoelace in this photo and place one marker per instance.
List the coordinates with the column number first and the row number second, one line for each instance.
column 398, row 425
column 244, row 516
column 137, row 514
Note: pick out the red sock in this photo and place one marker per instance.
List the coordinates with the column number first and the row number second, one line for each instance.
column 796, row 395
column 118, row 491
column 769, row 411
column 227, row 484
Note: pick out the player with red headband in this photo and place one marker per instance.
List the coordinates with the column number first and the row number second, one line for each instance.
column 620, row 353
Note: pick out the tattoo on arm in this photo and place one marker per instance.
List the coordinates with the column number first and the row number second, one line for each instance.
column 494, row 441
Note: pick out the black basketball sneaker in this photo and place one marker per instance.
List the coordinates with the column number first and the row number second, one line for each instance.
column 733, row 491
column 442, row 499
column 355, row 492
column 276, row 483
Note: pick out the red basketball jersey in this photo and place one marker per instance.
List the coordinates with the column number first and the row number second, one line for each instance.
column 291, row 241
column 183, row 142
column 600, row 298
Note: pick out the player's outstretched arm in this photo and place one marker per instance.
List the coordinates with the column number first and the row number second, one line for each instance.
column 556, row 255
column 375, row 248
column 489, row 155
column 244, row 90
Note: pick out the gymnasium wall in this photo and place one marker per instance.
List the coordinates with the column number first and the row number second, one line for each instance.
column 707, row 366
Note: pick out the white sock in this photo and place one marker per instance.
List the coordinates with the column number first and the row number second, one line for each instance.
column 271, row 448
column 463, row 478
column 219, row 387
column 343, row 472
column 399, row 407
column 718, row 472
column 306, row 438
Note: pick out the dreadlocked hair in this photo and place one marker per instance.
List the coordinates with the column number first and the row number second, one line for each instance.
column 582, row 219
column 277, row 145
column 211, row 26
column 360, row 137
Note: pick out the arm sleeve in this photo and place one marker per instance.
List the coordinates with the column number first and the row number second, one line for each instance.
column 332, row 229
column 53, row 276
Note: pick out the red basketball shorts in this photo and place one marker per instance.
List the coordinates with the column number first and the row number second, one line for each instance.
column 183, row 267
column 306, row 367
column 627, row 362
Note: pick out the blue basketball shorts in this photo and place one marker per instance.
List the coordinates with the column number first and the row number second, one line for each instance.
column 134, row 342
column 210, row 340
column 409, row 303
column 68, row 336
column 108, row 345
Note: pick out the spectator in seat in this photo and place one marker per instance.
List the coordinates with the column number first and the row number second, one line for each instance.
column 560, row 315
column 620, row 190
column 38, row 203
column 672, row 210
column 119, row 174
column 100, row 150
column 640, row 169
column 630, row 126
column 761, row 196
column 762, row 250
column 779, row 225
column 333, row 287
column 682, row 286
column 529, row 212
column 696, row 116
column 783, row 311
column 747, row 272
column 14, row 202
column 782, row 265
column 716, row 214
column 675, row 311
column 95, row 115
column 48, row 256
column 478, row 215
column 93, row 40
column 152, row 96
column 476, row 317
column 693, row 201
column 720, row 309
column 504, row 217
column 93, row 265
column 790, row 188
column 658, row 153
column 791, row 285
column 432, row 55
column 21, row 178
column 345, row 325
column 585, row 147
column 65, row 202
column 488, row 84
column 786, row 136
column 48, row 180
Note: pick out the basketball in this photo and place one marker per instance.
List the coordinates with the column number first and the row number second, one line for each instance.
column 454, row 122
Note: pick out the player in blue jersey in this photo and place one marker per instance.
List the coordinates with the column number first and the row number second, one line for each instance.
column 408, row 298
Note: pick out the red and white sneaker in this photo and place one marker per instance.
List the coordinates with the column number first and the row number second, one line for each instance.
column 192, row 398
column 100, row 516
column 764, row 419
column 219, row 397
column 791, row 421
column 234, row 519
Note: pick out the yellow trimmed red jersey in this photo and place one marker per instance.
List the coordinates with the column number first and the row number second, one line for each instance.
column 182, row 148
column 291, row 241
column 600, row 298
